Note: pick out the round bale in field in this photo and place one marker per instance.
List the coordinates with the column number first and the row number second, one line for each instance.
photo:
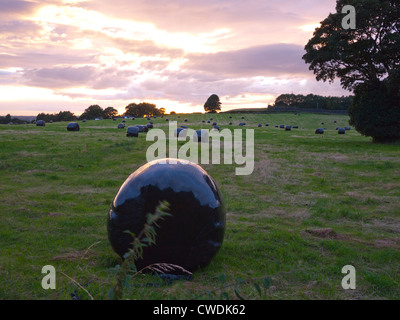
column 132, row 132
column 288, row 128
column 121, row 125
column 282, row 126
column 142, row 128
column 40, row 123
column 73, row 126
column 242, row 124
column 266, row 124
column 179, row 131
column 215, row 128
column 319, row 131
column 150, row 125
column 347, row 128
column 260, row 125
column 230, row 123
column 190, row 233
column 200, row 136
column 341, row 131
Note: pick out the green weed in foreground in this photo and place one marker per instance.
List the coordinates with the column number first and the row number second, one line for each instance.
column 57, row 186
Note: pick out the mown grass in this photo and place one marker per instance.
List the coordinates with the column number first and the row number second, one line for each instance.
column 57, row 186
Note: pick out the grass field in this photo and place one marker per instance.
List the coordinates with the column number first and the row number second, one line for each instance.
column 57, row 187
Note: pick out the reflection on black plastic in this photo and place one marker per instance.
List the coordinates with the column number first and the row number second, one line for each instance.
column 194, row 232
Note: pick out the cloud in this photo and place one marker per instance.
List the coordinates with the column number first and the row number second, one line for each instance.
column 267, row 60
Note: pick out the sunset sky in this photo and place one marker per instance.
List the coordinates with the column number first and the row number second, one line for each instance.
column 69, row 54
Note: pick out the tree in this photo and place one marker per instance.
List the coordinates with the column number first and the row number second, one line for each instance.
column 143, row 109
column 212, row 104
column 92, row 112
column 365, row 59
column 110, row 112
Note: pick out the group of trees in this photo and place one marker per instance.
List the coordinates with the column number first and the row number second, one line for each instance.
column 143, row 109
column 366, row 59
column 7, row 119
column 312, row 101
column 61, row 116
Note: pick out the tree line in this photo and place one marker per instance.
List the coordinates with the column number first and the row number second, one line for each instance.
column 92, row 112
column 312, row 101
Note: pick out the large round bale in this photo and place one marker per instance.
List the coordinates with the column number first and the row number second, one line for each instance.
column 341, row 130
column 72, row 126
column 203, row 121
column 288, row 128
column 230, row 123
column 121, row 125
column 266, row 124
column 295, row 127
column 214, row 123
column 200, row 136
column 242, row 124
column 282, row 126
column 347, row 128
column 190, row 236
column 178, row 131
column 132, row 132
column 142, row 128
column 185, row 120
column 40, row 123
column 149, row 126
column 216, row 128
column 230, row 117
column 260, row 125
column 319, row 131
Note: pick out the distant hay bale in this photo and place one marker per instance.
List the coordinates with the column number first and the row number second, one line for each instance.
column 200, row 136
column 288, row 128
column 132, row 132
column 40, row 123
column 282, row 126
column 347, row 128
column 319, row 131
column 341, row 131
column 260, row 125
column 73, row 126
column 242, row 124
column 121, row 125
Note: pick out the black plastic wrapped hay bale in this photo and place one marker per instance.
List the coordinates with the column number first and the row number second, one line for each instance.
column 185, row 120
column 184, row 127
column 40, row 123
column 84, row 120
column 203, row 121
column 208, row 121
column 142, row 128
column 347, row 128
column 150, row 126
column 73, row 126
column 216, row 128
column 230, row 117
column 194, row 232
column 266, row 124
column 242, row 124
column 200, row 136
column 132, row 132
column 121, row 125
column 282, row 126
column 288, row 128
column 230, row 123
column 319, row 131
column 178, row 132
column 341, row 131
column 295, row 127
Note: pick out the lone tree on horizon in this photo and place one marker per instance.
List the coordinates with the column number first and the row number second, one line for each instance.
column 212, row 104
column 366, row 60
